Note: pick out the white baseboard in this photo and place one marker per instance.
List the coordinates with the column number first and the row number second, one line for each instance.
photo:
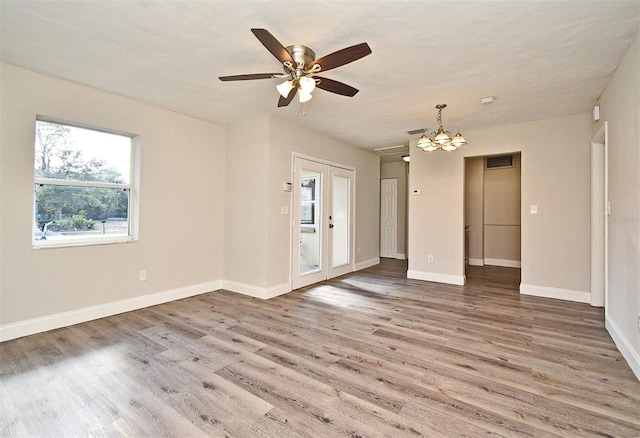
column 554, row 292
column 256, row 291
column 366, row 264
column 271, row 292
column 459, row 280
column 502, row 262
column 476, row 262
column 395, row 255
column 64, row 319
column 624, row 346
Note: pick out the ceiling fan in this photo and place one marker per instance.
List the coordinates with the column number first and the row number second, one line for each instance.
column 300, row 69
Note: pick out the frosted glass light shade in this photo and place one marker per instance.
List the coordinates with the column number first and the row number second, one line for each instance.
column 441, row 138
column 424, row 142
column 284, row 88
column 458, row 140
column 304, row 96
column 307, row 84
column 449, row 147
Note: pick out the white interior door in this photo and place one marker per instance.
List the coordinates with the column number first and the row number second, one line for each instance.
column 389, row 217
column 322, row 222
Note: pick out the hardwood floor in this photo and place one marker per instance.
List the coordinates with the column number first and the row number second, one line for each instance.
column 369, row 354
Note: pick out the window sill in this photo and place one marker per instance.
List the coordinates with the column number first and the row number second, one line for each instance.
column 68, row 243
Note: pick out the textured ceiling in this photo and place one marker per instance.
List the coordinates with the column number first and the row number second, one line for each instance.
column 541, row 59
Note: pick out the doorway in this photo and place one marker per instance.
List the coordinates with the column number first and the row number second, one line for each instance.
column 493, row 212
column 323, row 199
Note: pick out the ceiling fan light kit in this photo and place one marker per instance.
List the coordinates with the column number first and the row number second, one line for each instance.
column 300, row 67
column 440, row 139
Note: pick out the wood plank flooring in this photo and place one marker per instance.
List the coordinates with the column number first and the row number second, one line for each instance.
column 370, row 354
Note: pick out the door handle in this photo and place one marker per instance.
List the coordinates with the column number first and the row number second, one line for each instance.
column 330, row 225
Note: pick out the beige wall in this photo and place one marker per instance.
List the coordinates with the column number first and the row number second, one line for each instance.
column 620, row 107
column 260, row 260
column 245, row 207
column 555, row 176
column 398, row 170
column 210, row 209
column 285, row 139
column 182, row 188
column 474, row 207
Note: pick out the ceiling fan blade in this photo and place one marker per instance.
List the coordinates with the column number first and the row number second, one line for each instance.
column 249, row 77
column 284, row 101
column 335, row 87
column 273, row 45
column 342, row 57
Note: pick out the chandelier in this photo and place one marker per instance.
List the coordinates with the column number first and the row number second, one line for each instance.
column 441, row 139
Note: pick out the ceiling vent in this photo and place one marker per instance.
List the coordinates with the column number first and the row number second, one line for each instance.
column 416, row 131
column 393, row 150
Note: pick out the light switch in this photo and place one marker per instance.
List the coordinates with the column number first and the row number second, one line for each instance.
column 533, row 209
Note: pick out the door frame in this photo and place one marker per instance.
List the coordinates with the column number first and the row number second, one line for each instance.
column 395, row 253
column 292, row 216
column 599, row 218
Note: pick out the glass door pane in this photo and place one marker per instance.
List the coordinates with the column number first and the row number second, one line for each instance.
column 340, row 220
column 310, row 221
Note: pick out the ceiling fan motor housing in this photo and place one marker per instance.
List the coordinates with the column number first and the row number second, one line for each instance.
column 302, row 55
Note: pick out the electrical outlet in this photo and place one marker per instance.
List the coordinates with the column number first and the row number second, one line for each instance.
column 430, row 259
column 143, row 275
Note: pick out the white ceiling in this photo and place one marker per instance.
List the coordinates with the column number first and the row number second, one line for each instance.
column 541, row 59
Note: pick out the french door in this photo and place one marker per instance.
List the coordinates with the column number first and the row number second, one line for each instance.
column 322, row 222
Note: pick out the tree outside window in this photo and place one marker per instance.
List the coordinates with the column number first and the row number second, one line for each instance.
column 82, row 183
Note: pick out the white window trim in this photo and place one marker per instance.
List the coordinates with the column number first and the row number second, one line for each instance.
column 133, row 186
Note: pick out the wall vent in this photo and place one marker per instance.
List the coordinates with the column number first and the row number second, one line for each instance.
column 499, row 161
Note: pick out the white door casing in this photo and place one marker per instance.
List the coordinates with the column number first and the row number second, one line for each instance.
column 322, row 228
column 389, row 217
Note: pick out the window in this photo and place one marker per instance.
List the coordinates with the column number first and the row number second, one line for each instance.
column 83, row 185
column 308, row 201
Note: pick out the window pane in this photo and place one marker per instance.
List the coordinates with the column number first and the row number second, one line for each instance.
column 310, row 230
column 78, row 154
column 341, row 213
column 64, row 212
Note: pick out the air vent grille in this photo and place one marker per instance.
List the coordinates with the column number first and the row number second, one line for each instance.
column 499, row 161
column 393, row 150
